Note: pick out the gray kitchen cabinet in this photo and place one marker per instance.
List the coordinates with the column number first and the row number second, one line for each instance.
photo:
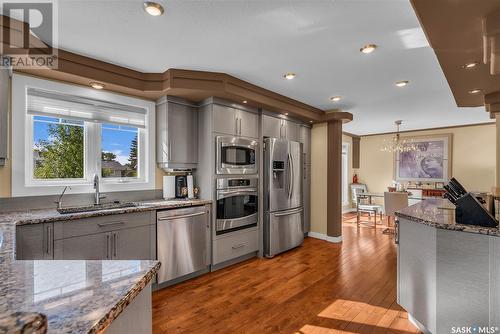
column 274, row 127
column 126, row 244
column 176, row 134
column 86, row 247
column 234, row 245
column 292, row 130
column 271, row 127
column 248, row 123
column 35, row 242
column 4, row 114
column 305, row 139
column 224, row 119
column 133, row 243
column 234, row 121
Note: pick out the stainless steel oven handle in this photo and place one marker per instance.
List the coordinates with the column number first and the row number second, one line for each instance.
column 181, row 217
column 221, row 193
column 288, row 213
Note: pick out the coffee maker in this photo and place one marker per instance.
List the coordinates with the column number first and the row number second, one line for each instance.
column 180, row 184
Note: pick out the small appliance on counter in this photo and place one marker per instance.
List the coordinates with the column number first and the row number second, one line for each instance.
column 169, row 186
column 178, row 186
column 181, row 186
column 470, row 210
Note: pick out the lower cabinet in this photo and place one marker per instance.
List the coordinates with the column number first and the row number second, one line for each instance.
column 127, row 244
column 35, row 242
column 234, row 245
column 129, row 236
column 86, row 247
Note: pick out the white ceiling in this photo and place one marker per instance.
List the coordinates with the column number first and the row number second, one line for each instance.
column 260, row 40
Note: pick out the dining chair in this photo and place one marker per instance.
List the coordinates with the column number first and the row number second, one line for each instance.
column 363, row 205
column 393, row 202
column 416, row 196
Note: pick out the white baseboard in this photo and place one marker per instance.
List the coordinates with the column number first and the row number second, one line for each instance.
column 325, row 237
column 348, row 210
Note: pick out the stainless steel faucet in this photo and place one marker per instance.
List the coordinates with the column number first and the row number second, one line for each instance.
column 97, row 195
column 59, row 201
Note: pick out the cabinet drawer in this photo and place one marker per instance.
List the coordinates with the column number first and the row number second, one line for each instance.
column 235, row 245
column 93, row 225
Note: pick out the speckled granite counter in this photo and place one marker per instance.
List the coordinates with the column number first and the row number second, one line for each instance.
column 440, row 213
column 73, row 296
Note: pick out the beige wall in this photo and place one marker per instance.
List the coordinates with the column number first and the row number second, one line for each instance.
column 319, row 168
column 473, row 158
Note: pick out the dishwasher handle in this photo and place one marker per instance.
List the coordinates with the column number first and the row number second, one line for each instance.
column 182, row 216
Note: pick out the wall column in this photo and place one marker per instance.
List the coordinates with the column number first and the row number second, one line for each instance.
column 334, row 181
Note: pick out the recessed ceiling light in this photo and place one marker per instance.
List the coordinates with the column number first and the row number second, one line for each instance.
column 289, row 76
column 245, row 101
column 96, row 85
column 470, row 66
column 475, row 91
column 310, row 121
column 335, row 98
column 153, row 8
column 286, row 114
column 368, row 48
column 402, row 83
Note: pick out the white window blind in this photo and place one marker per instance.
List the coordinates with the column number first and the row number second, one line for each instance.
column 46, row 103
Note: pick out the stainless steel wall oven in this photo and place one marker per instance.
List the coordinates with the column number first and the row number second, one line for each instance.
column 237, row 204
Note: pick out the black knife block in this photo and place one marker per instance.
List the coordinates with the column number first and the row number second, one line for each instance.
column 469, row 211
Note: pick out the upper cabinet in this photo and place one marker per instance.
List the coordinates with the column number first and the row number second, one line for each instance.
column 280, row 128
column 176, row 134
column 234, row 121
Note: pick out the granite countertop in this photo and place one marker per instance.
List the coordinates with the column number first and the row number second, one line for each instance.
column 440, row 213
column 51, row 215
column 69, row 296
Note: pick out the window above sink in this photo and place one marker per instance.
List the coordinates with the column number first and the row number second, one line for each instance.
column 67, row 133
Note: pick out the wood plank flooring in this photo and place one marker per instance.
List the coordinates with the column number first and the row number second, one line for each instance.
column 318, row 288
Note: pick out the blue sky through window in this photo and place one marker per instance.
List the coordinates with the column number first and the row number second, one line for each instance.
column 115, row 138
column 118, row 139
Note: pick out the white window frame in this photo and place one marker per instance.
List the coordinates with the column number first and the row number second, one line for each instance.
column 23, row 183
column 345, row 174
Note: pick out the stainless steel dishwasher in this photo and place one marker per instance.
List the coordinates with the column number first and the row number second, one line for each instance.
column 183, row 237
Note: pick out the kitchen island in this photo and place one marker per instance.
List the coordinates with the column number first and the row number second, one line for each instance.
column 448, row 274
column 75, row 296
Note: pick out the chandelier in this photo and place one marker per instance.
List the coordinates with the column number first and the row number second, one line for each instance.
column 398, row 145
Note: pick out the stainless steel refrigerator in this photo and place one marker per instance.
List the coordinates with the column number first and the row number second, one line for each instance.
column 284, row 216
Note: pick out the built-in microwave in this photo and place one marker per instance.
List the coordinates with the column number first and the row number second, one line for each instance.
column 236, row 155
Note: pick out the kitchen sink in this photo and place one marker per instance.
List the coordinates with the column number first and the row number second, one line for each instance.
column 89, row 208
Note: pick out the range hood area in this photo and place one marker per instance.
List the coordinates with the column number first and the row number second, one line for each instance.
column 176, row 134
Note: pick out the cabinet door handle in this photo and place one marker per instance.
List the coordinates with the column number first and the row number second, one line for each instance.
column 110, row 224
column 115, row 239
column 107, row 246
column 238, row 246
column 182, row 217
column 49, row 239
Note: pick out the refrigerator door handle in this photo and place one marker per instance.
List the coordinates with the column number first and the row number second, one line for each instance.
column 288, row 213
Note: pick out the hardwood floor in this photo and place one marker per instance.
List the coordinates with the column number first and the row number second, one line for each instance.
column 318, row 288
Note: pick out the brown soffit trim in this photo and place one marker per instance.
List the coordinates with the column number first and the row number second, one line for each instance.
column 428, row 129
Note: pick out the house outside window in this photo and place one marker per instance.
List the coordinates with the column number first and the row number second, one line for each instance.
column 67, row 134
